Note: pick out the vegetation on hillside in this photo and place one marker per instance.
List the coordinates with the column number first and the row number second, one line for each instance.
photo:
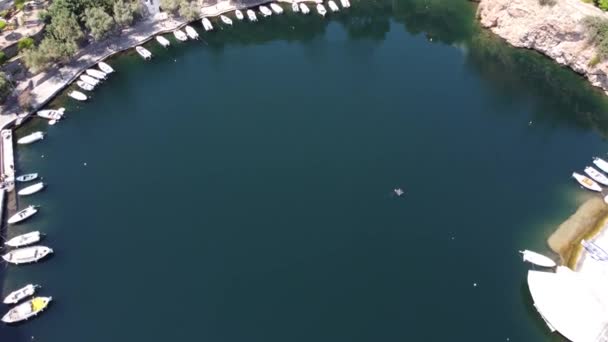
column 597, row 34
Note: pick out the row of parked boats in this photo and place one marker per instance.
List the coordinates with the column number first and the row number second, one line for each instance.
column 89, row 80
column 594, row 177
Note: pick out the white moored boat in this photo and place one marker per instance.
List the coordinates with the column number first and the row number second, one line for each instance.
column 27, row 177
column 20, row 294
column 180, row 35
column 32, row 189
column 90, row 80
column 76, row 95
column 321, row 9
column 24, row 239
column 265, row 11
column 537, row 259
column 239, row 15
column 332, row 6
column 276, row 8
column 601, row 163
column 31, row 138
column 345, row 3
column 596, row 175
column 23, row 215
column 164, row 42
column 304, row 9
column 27, row 309
column 85, row 86
column 207, row 24
column 295, row 7
column 143, row 52
column 251, row 15
column 191, row 32
column 586, row 182
column 51, row 114
column 98, row 74
column 105, row 67
column 226, row 20
column 26, row 255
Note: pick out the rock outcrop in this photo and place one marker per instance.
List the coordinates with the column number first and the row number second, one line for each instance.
column 556, row 31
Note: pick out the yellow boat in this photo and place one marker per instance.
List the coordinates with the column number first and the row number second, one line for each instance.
column 27, row 309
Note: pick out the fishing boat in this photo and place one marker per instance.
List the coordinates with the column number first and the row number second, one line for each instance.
column 27, row 255
column 90, row 80
column 191, row 32
column 180, row 35
column 596, row 175
column 332, row 6
column 321, row 9
column 27, row 309
column 537, row 259
column 601, row 163
column 85, row 86
column 105, row 67
column 31, row 138
column 345, row 3
column 143, row 52
column 207, row 24
column 24, row 239
column 226, row 20
column 276, row 8
column 586, row 182
column 23, row 215
column 32, row 189
column 27, row 177
column 239, row 15
column 304, row 9
column 294, row 7
column 251, row 15
column 98, row 74
column 51, row 114
column 265, row 11
column 76, row 95
column 20, row 294
column 164, row 42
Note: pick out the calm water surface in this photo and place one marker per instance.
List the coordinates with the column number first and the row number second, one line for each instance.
column 239, row 189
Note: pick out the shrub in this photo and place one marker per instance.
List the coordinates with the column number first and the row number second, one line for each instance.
column 2, row 57
column 603, row 4
column 19, row 4
column 2, row 25
column 25, row 43
column 98, row 21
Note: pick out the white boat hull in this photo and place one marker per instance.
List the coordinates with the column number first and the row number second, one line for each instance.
column 32, row 189
column 164, row 42
column 276, row 8
column 207, row 24
column 51, row 114
column 90, row 80
column 601, row 164
column 20, row 294
column 24, row 240
column 345, row 3
column 586, row 182
column 304, row 9
column 85, row 86
column 321, row 10
column 143, row 52
column 25, row 310
column 76, row 95
column 100, row 75
column 537, row 259
column 27, row 177
column 251, row 15
column 596, row 175
column 332, row 6
column 191, row 32
column 105, row 67
column 265, row 11
column 239, row 15
column 27, row 255
column 31, row 138
column 226, row 20
column 180, row 35
column 294, row 7
column 23, row 215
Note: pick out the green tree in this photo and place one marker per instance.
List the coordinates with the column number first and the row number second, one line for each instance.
column 64, row 27
column 124, row 12
column 36, row 60
column 188, row 10
column 603, row 4
column 98, row 22
column 169, row 5
column 6, row 87
column 25, row 43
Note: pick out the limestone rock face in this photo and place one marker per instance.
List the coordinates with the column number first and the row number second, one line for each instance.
column 554, row 30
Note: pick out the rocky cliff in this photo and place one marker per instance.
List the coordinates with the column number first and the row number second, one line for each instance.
column 554, row 30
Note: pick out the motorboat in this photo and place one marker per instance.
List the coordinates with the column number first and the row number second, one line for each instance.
column 239, row 15
column 276, row 8
column 398, row 191
column 251, row 15
column 90, row 80
column 595, row 251
column 265, row 11
column 85, row 86
column 20, row 294
column 51, row 114
column 24, row 239
column 345, row 3
column 596, row 175
column 586, row 182
column 191, row 32
column 23, row 215
column 164, row 42
column 98, row 74
column 180, row 35
column 27, row 309
column 207, row 24
column 32, row 189
column 601, row 163
column 332, row 6
column 226, row 20
column 304, row 9
column 294, row 7
column 537, row 259
column 31, row 138
column 321, row 9
column 76, row 95
column 27, row 255
column 105, row 67
column 143, row 52
column 26, row 177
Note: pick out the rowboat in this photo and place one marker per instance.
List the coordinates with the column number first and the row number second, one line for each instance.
column 304, row 9
column 76, row 95
column 23, row 215
column 98, row 74
column 345, row 3
column 239, row 15
column 164, row 42
column 24, row 239
column 32, row 189
column 265, row 11
column 20, row 294
column 295, row 7
column 90, row 80
column 321, row 9
column 26, row 255
column 31, row 138
column 332, row 6
column 207, row 24
column 85, row 86
column 596, row 175
column 601, row 163
column 276, row 8
column 143, row 52
column 105, row 67
column 191, row 32
column 27, row 177
column 27, row 309
column 251, row 15
column 51, row 114
column 537, row 259
column 180, row 35
column 586, row 182
column 226, row 20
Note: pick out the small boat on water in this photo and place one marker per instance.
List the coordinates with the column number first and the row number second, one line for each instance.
column 20, row 294
column 26, row 177
column 51, row 114
column 85, row 86
column 265, row 11
column 332, row 6
column 321, row 9
column 399, row 192
column 226, row 20
column 595, row 251
column 207, row 24
column 30, row 190
column 345, row 3
column 586, row 182
column 251, row 15
column 537, row 259
column 27, row 255
column 98, row 74
column 601, row 163
column 191, row 32
column 304, row 9
column 143, row 52
column 276, row 8
column 23, row 215
column 105, row 67
column 596, row 175
column 180, row 35
column 164, row 42
column 239, row 15
column 294, row 7
column 24, row 239
column 76, row 95
column 31, row 138
column 90, row 80
column 27, row 309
